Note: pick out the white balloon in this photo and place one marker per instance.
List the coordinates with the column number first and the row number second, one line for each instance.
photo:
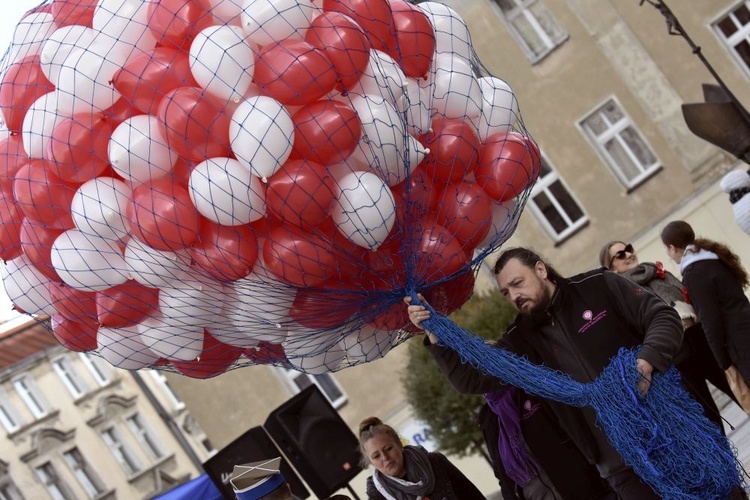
column 451, row 32
column 156, row 268
column 227, row 11
column 382, row 144
column 99, row 208
column 364, row 210
column 138, row 150
column 457, row 93
column 40, row 120
column 225, row 331
column 58, row 46
column 222, row 61
column 192, row 303
column 125, row 21
column 178, row 342
column 88, row 263
column 85, row 81
column 123, row 348
column 30, row 33
column 382, row 77
column 262, row 307
column 268, row 21
column 499, row 107
column 26, row 286
column 504, row 220
column 417, row 104
column 224, row 191
column 320, row 363
column 262, row 134
column 368, row 344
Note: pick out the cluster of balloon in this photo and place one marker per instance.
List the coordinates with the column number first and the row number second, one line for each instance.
column 203, row 184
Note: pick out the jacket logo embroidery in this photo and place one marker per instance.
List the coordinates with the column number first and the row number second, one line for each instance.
column 591, row 319
column 529, row 409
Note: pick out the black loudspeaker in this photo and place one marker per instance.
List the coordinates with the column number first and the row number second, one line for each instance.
column 315, row 439
column 252, row 446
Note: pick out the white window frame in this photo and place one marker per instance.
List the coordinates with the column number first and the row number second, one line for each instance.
column 543, row 185
column 145, row 436
column 523, row 9
column 98, row 368
column 742, row 33
column 613, row 132
column 124, row 455
column 289, row 376
column 8, row 489
column 69, row 376
column 166, row 389
column 30, row 394
column 9, row 416
column 84, row 473
column 55, row 485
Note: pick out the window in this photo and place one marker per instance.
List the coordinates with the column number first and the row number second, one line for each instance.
column 122, row 453
column 533, row 26
column 554, row 204
column 31, row 395
column 620, row 144
column 8, row 414
column 56, row 487
column 69, row 376
column 734, row 30
column 97, row 367
column 141, row 431
column 86, row 476
column 8, row 490
column 163, row 383
column 325, row 382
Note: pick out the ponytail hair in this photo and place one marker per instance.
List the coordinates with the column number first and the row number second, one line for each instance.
column 369, row 428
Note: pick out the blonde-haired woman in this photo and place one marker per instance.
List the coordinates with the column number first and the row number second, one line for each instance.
column 408, row 472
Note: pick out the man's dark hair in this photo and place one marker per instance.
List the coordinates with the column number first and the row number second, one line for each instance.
column 528, row 258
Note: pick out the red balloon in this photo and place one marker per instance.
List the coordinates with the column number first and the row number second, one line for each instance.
column 196, row 126
column 300, row 193
column 421, row 193
column 454, row 149
column 452, row 294
column 162, row 216
column 74, row 335
column 294, row 72
column 326, row 132
column 438, row 254
column 42, row 196
column 72, row 304
column 36, row 243
column 326, row 307
column 396, row 317
column 22, row 84
column 298, row 258
column 120, row 111
column 266, row 353
column 181, row 171
column 215, row 359
column 70, row 12
column 11, row 218
column 126, row 305
column 415, row 39
column 78, row 148
column 12, row 157
column 509, row 163
column 466, row 212
column 374, row 16
column 176, row 23
column 148, row 76
column 227, row 253
column 385, row 268
column 345, row 44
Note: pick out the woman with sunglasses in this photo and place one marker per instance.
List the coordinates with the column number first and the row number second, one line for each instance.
column 715, row 282
column 694, row 361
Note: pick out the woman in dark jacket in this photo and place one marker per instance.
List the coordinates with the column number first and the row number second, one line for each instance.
column 715, row 282
column 408, row 472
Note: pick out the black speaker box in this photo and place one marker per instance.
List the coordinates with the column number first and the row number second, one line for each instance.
column 316, row 440
column 252, row 446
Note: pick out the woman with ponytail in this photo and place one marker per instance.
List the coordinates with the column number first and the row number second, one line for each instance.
column 408, row 472
column 715, row 281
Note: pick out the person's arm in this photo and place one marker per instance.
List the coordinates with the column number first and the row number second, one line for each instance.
column 651, row 317
column 703, row 291
column 462, row 487
column 463, row 376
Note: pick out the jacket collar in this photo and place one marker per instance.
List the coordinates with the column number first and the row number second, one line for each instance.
column 692, row 255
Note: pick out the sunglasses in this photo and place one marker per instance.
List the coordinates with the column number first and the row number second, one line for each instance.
column 621, row 254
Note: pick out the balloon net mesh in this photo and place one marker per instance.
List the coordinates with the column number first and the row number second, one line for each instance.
column 198, row 185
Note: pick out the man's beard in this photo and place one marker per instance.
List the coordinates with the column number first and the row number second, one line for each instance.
column 539, row 311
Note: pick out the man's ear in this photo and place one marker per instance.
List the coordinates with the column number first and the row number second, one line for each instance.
column 541, row 270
